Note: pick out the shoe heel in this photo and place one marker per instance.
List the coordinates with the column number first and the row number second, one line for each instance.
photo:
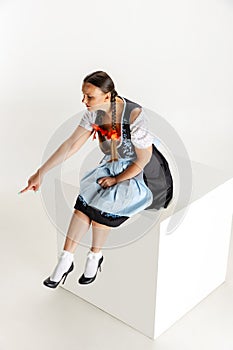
column 66, row 274
column 101, row 260
column 65, row 278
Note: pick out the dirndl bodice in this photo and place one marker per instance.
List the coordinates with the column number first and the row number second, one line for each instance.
column 151, row 188
column 127, row 197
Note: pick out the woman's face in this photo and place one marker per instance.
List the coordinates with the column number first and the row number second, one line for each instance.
column 94, row 98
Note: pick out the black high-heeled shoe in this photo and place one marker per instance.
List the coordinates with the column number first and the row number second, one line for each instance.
column 53, row 284
column 87, row 280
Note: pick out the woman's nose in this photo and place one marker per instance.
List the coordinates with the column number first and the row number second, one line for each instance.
column 84, row 100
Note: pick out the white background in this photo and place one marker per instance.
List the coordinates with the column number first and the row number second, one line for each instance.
column 173, row 57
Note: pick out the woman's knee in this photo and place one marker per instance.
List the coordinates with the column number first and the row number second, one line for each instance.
column 98, row 225
column 82, row 216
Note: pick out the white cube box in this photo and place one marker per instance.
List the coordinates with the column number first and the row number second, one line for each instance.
column 192, row 261
column 154, row 280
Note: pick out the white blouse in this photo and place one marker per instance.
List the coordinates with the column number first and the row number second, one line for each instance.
column 88, row 118
column 141, row 137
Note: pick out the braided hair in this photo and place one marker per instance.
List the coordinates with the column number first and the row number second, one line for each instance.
column 113, row 107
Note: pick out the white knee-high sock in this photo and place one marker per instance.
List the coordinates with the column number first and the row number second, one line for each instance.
column 92, row 263
column 63, row 265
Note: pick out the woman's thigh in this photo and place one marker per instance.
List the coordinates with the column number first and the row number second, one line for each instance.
column 98, row 225
column 83, row 216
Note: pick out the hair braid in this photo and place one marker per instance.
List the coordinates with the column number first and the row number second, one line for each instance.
column 113, row 105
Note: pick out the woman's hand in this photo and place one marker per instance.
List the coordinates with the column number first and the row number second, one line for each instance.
column 34, row 182
column 107, row 181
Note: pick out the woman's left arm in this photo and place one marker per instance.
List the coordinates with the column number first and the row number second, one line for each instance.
column 143, row 157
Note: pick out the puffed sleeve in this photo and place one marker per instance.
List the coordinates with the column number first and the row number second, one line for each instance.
column 141, row 137
column 87, row 120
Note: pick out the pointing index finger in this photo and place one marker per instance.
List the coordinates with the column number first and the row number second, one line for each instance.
column 24, row 190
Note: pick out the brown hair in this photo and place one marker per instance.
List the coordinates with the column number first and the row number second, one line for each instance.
column 103, row 81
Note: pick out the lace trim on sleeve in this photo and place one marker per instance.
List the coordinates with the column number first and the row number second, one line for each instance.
column 141, row 137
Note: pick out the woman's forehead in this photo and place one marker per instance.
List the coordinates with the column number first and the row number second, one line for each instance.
column 88, row 88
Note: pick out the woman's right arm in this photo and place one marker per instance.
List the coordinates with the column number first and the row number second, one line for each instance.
column 64, row 151
column 67, row 149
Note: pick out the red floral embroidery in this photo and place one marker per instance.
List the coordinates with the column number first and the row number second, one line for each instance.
column 112, row 134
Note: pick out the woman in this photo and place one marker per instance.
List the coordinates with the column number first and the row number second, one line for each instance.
column 113, row 191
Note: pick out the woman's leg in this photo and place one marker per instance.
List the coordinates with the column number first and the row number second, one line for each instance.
column 79, row 225
column 99, row 235
column 95, row 257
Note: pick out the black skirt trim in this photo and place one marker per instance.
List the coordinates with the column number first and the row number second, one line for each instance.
column 99, row 216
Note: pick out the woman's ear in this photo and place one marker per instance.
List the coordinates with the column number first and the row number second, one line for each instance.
column 107, row 97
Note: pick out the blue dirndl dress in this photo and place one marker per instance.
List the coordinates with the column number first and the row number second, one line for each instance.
column 113, row 205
